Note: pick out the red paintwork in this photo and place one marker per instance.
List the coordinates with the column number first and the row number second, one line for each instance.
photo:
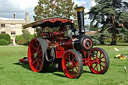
column 59, row 52
column 34, row 47
column 97, row 65
column 71, row 59
column 48, row 22
column 58, row 37
column 68, row 45
column 53, row 20
column 85, row 59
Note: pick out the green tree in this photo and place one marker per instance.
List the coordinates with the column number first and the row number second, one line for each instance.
column 107, row 13
column 26, row 34
column 54, row 8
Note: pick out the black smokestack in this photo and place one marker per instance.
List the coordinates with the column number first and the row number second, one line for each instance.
column 80, row 18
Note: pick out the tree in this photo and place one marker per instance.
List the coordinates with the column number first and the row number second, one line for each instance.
column 26, row 34
column 54, row 8
column 107, row 13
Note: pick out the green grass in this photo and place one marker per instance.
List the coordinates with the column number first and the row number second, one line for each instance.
column 13, row 73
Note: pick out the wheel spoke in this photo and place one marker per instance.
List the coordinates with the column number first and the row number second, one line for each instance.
column 69, row 69
column 73, row 72
column 32, row 54
column 38, row 48
column 36, row 43
column 69, row 57
column 40, row 51
column 72, row 56
column 102, row 57
column 38, row 66
column 102, row 65
column 103, row 61
column 96, row 54
column 73, row 59
column 34, row 61
column 76, row 68
column 92, row 61
column 34, row 47
column 39, row 55
column 95, row 66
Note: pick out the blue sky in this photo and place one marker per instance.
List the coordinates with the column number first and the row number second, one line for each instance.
column 9, row 7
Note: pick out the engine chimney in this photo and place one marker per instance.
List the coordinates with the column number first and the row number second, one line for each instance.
column 27, row 16
column 14, row 15
column 80, row 18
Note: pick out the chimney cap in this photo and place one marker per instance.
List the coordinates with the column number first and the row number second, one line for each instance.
column 80, row 8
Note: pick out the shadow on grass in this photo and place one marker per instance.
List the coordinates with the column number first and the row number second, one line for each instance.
column 51, row 69
column 87, row 72
column 61, row 75
column 26, row 66
column 55, row 71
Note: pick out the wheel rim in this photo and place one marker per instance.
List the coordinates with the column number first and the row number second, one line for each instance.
column 70, row 64
column 97, row 61
column 35, row 55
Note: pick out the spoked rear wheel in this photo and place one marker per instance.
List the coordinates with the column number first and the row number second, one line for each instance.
column 36, row 55
column 72, row 64
column 98, row 61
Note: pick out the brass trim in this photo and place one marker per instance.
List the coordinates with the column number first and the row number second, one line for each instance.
column 78, row 9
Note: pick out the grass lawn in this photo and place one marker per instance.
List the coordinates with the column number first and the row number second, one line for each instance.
column 13, row 73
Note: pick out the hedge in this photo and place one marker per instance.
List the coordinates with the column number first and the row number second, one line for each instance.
column 21, row 41
column 19, row 38
column 3, row 42
column 6, row 37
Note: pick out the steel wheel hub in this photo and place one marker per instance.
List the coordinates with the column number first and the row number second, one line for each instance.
column 69, row 64
column 36, row 55
column 97, row 60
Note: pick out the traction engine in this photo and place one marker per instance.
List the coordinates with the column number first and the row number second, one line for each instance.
column 66, row 47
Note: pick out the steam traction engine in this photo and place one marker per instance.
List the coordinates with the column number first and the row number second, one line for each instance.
column 66, row 46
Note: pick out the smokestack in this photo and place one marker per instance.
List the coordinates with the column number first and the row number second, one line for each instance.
column 14, row 15
column 80, row 18
column 27, row 16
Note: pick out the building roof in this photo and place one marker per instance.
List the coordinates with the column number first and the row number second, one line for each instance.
column 10, row 19
column 91, row 33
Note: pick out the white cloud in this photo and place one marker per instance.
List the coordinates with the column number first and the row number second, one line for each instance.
column 85, row 3
column 92, row 3
column 80, row 2
column 25, row 4
column 9, row 7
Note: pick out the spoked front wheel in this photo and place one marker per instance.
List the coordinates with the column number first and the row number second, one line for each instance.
column 72, row 64
column 36, row 55
column 98, row 61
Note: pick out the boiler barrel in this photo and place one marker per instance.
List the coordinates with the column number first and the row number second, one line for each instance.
column 84, row 43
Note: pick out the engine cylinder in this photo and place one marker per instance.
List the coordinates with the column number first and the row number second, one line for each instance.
column 84, row 42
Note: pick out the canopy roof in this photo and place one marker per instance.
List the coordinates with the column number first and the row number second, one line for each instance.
column 50, row 22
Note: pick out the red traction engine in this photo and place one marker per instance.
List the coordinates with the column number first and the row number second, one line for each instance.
column 66, row 47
